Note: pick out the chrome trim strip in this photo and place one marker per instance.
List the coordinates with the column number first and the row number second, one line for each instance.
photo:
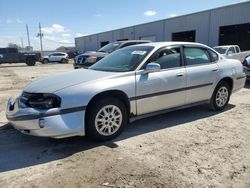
column 168, row 92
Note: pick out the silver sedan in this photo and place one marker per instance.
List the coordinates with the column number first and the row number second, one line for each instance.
column 129, row 84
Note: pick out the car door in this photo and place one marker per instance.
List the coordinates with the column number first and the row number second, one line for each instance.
column 164, row 89
column 51, row 57
column 3, row 52
column 10, row 55
column 59, row 57
column 202, row 73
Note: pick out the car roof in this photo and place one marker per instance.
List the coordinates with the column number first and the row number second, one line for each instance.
column 128, row 41
column 162, row 44
column 58, row 53
column 225, row 46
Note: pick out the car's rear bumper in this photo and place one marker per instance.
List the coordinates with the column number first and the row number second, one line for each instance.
column 239, row 82
column 55, row 123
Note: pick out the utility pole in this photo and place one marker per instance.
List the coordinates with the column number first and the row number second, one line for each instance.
column 22, row 42
column 40, row 34
column 28, row 35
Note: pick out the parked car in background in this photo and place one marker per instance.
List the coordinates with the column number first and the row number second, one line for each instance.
column 131, row 83
column 72, row 54
column 89, row 58
column 11, row 55
column 246, row 65
column 232, row 52
column 60, row 57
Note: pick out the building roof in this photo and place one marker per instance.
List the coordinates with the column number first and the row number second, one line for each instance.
column 231, row 5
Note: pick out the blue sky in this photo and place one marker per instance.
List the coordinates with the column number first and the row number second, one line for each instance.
column 63, row 20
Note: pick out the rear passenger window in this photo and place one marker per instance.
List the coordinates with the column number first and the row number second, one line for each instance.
column 12, row 50
column 3, row 50
column 237, row 49
column 196, row 56
column 231, row 51
column 168, row 58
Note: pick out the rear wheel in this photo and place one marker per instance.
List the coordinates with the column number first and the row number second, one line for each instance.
column 221, row 96
column 30, row 61
column 106, row 119
column 64, row 61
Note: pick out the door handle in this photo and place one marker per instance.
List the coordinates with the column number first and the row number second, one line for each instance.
column 180, row 74
column 214, row 70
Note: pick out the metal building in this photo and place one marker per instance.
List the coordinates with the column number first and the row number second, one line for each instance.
column 219, row 26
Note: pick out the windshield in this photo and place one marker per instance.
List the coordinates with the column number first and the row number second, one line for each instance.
column 123, row 60
column 221, row 50
column 109, row 47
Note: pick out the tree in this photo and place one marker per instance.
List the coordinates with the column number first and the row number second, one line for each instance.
column 61, row 49
column 12, row 45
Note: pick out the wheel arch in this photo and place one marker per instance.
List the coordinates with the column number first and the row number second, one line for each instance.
column 30, row 58
column 110, row 93
column 228, row 80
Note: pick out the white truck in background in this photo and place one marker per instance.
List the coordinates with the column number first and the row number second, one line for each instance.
column 232, row 52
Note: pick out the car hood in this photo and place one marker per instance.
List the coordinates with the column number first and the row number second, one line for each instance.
column 45, row 57
column 93, row 54
column 60, row 81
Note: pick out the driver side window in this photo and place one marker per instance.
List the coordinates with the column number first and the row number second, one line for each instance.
column 168, row 58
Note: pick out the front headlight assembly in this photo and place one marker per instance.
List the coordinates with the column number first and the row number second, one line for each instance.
column 39, row 101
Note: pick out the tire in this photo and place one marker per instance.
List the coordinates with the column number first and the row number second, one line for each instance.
column 221, row 96
column 99, row 130
column 45, row 61
column 30, row 61
column 64, row 61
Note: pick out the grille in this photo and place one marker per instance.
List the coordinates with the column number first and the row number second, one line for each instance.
column 81, row 59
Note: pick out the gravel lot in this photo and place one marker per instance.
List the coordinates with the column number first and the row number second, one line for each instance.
column 188, row 148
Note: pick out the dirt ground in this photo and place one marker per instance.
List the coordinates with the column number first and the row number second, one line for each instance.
column 187, row 148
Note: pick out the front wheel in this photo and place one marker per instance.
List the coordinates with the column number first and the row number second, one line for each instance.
column 45, row 61
column 221, row 96
column 106, row 119
column 30, row 61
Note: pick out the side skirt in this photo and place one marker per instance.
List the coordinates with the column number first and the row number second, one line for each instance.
column 135, row 118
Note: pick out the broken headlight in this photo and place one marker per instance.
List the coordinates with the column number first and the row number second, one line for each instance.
column 40, row 101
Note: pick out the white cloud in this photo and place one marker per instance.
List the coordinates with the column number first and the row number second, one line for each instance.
column 19, row 21
column 5, row 40
column 65, row 41
column 150, row 13
column 80, row 35
column 58, row 40
column 66, row 35
column 55, row 28
column 172, row 15
column 9, row 21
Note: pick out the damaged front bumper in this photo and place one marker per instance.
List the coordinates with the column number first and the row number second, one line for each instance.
column 55, row 122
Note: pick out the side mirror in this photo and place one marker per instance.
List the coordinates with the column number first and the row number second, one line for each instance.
column 152, row 67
